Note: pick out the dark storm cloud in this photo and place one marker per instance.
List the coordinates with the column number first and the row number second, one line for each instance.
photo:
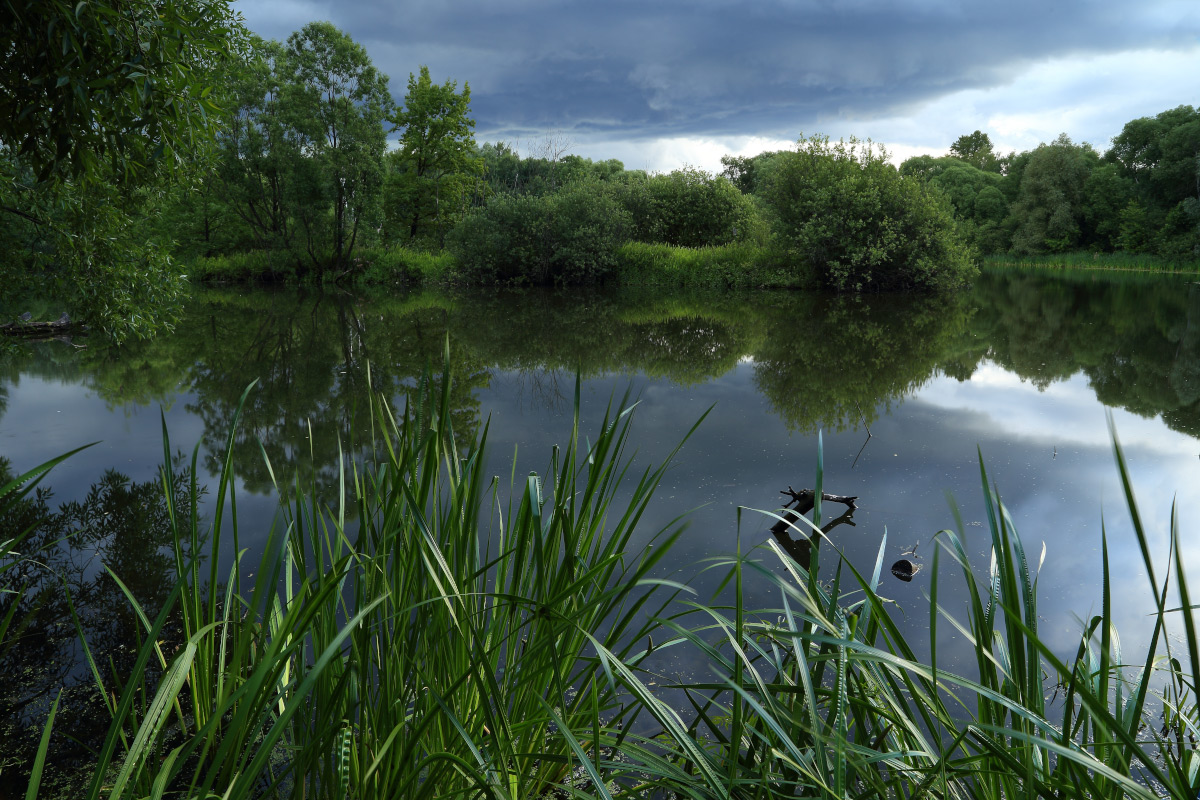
column 641, row 69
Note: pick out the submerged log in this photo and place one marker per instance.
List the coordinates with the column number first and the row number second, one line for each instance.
column 41, row 330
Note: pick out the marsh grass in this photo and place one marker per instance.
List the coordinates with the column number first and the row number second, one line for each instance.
column 740, row 265
column 449, row 645
column 1137, row 262
column 462, row 641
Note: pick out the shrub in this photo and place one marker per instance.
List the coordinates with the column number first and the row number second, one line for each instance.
column 689, row 208
column 568, row 237
column 403, row 265
column 846, row 213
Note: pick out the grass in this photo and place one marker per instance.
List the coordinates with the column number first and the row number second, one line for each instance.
column 466, row 642
column 1140, row 262
column 376, row 266
column 742, row 265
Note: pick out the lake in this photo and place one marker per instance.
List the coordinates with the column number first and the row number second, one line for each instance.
column 904, row 392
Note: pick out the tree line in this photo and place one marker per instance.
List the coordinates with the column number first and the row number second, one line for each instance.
column 111, row 178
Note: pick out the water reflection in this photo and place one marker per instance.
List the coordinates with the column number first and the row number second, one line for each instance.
column 925, row 375
column 802, row 542
column 64, row 581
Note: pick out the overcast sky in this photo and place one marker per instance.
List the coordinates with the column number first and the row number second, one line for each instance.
column 659, row 84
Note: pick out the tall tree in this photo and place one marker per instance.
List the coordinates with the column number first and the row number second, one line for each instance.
column 302, row 160
column 437, row 158
column 337, row 103
column 1049, row 212
column 976, row 149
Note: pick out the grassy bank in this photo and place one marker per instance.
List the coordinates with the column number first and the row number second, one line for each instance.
column 478, row 640
column 397, row 265
column 1093, row 261
column 740, row 265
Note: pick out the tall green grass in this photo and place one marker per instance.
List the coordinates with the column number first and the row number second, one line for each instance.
column 464, row 641
column 823, row 696
column 447, row 647
column 741, row 265
column 1139, row 262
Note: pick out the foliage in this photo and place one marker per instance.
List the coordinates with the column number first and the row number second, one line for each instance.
column 76, row 244
column 301, row 163
column 976, row 149
column 740, row 265
column 435, row 171
column 356, row 632
column 822, row 696
column 750, row 173
column 689, row 208
column 568, row 237
column 337, row 102
column 109, row 89
column 327, row 671
column 406, row 265
column 846, row 214
column 102, row 104
column 1048, row 215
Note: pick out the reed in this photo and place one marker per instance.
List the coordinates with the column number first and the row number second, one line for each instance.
column 823, row 696
column 1137, row 262
column 446, row 646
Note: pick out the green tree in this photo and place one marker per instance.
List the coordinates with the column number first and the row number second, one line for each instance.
column 100, row 103
column 302, row 160
column 976, row 149
column 1049, row 212
column 257, row 151
column 689, row 208
column 848, row 215
column 336, row 104
column 437, row 164
column 118, row 87
column 566, row 237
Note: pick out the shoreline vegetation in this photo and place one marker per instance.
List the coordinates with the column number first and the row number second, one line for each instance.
column 302, row 165
column 325, row 669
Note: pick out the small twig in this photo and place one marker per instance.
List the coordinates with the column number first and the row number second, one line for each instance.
column 863, row 417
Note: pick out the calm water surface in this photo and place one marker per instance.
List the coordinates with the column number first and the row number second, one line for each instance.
column 1023, row 370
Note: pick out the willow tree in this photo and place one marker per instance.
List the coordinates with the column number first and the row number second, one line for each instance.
column 101, row 103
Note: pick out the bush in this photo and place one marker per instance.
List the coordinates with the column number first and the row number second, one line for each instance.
column 248, row 267
column 689, row 208
column 847, row 214
column 568, row 237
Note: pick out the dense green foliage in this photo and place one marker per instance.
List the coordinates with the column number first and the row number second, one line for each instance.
column 435, row 172
column 848, row 215
column 109, row 176
column 566, row 237
column 102, row 107
column 1142, row 196
column 301, row 162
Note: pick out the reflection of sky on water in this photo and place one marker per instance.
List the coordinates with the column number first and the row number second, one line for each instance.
column 1048, row 452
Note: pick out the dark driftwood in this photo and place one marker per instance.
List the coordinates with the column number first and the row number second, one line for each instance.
column 802, row 548
column 41, row 330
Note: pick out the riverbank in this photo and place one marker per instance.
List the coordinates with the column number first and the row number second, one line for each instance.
column 740, row 265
